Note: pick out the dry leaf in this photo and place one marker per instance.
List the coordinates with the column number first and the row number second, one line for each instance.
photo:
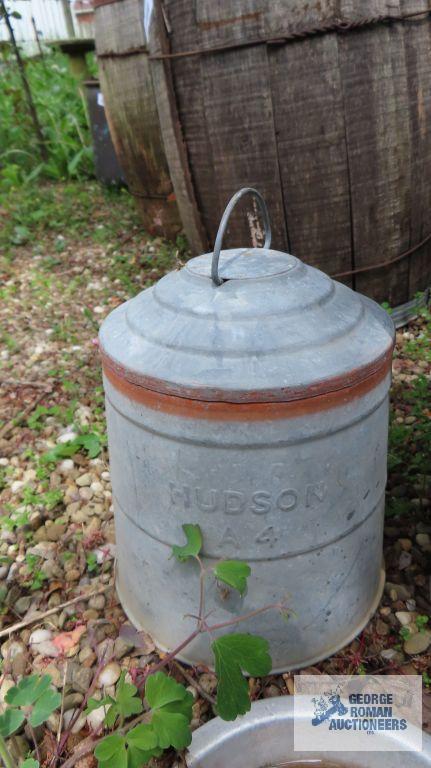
column 67, row 640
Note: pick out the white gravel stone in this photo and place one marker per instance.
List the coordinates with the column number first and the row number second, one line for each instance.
column 417, row 643
column 40, row 643
column 83, row 480
column 109, row 675
column 423, row 539
column 67, row 437
column 405, row 617
column 80, row 723
column 66, row 466
column 96, row 717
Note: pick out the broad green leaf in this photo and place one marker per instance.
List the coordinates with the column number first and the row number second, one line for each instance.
column 183, row 707
column 234, row 653
column 142, row 737
column 161, row 689
column 139, row 757
column 44, row 707
column 10, row 721
column 93, row 704
column 91, row 443
column 126, row 702
column 30, row 763
column 234, row 573
column 126, row 699
column 118, row 760
column 28, row 690
column 172, row 729
column 193, row 546
column 110, row 746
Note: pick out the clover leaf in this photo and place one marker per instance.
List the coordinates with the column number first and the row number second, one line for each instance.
column 234, row 573
column 161, row 689
column 10, row 721
column 30, row 763
column 142, row 737
column 234, row 653
column 28, row 690
column 44, row 707
column 136, row 758
column 111, row 752
column 93, row 704
column 131, row 751
column 193, row 546
column 32, row 691
column 125, row 704
column 172, row 728
column 90, row 442
column 172, row 710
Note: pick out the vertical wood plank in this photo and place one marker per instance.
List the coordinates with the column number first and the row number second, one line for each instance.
column 235, row 118
column 373, row 72
column 417, row 44
column 172, row 134
column 309, row 124
column 188, row 86
column 132, row 114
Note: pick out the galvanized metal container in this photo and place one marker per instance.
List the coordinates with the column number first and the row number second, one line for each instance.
column 264, row 737
column 248, row 392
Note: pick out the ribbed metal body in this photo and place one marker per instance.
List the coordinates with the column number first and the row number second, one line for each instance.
column 259, row 410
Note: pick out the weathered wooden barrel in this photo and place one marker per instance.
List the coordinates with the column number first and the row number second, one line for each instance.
column 131, row 111
column 324, row 106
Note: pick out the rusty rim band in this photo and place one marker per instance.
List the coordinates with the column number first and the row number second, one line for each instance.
column 177, row 405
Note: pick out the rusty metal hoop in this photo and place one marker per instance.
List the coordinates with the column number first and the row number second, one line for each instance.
column 217, row 280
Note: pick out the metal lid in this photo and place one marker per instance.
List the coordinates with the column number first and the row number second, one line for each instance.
column 247, row 325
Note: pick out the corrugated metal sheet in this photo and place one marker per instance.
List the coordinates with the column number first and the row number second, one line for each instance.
column 50, row 21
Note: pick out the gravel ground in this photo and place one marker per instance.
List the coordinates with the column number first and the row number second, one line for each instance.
column 58, row 611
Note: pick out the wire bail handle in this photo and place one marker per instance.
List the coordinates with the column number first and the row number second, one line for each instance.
column 217, row 280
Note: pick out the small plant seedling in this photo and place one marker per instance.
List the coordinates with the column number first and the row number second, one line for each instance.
column 421, row 622
column 32, row 700
column 168, row 721
column 171, row 713
column 91, row 443
column 92, row 564
column 37, row 577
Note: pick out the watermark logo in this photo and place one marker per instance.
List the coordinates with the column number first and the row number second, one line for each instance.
column 358, row 713
column 327, row 706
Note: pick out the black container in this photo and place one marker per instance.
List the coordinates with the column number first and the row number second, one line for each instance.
column 107, row 167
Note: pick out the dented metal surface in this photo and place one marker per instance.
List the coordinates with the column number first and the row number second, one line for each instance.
column 259, row 410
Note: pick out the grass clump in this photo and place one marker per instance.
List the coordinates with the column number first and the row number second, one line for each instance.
column 61, row 113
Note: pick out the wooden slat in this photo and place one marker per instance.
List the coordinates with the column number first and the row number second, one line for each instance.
column 187, row 80
column 373, row 72
column 309, row 123
column 235, row 118
column 132, row 115
column 417, row 44
column 172, row 134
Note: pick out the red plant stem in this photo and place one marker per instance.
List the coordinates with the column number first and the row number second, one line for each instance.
column 201, row 629
column 170, row 656
column 63, row 741
column 232, row 622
